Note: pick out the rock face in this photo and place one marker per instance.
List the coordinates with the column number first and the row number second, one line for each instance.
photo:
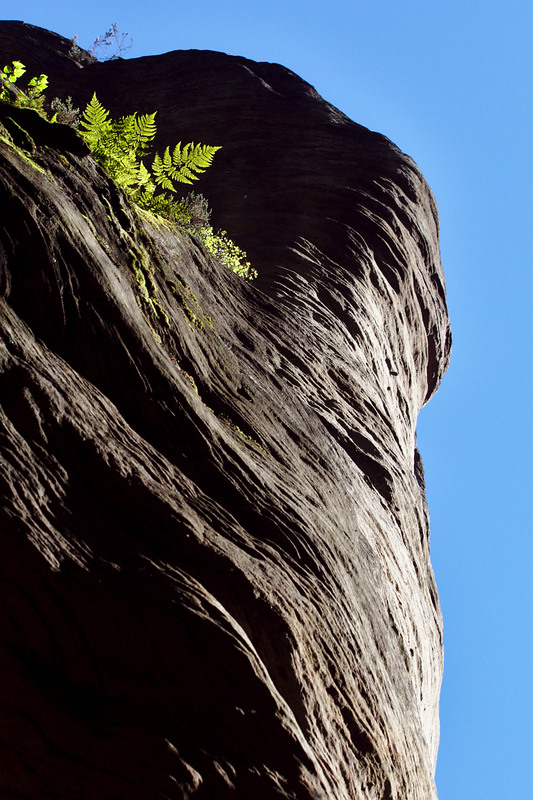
column 215, row 567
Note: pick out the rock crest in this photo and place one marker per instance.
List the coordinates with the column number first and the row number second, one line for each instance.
column 214, row 536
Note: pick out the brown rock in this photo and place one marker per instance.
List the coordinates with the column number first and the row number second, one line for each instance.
column 214, row 536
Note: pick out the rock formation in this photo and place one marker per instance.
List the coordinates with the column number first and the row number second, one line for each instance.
column 215, row 570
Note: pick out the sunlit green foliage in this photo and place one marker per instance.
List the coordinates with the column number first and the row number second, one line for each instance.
column 221, row 246
column 9, row 76
column 31, row 97
column 121, row 145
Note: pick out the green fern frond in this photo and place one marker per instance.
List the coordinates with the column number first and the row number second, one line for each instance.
column 145, row 127
column 97, row 131
column 133, row 133
column 184, row 163
column 119, row 144
column 194, row 156
column 160, row 168
column 95, row 120
column 126, row 171
column 143, row 176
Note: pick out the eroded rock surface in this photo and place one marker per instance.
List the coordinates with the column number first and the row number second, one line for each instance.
column 215, row 567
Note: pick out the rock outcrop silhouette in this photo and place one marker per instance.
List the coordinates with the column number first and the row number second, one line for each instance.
column 215, row 568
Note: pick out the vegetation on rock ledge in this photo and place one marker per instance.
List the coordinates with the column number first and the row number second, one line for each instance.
column 120, row 146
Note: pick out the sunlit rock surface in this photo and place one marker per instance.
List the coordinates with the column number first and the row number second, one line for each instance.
column 214, row 538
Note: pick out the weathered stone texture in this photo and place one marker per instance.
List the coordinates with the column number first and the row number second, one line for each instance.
column 215, row 567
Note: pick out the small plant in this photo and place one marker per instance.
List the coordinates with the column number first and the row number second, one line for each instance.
column 78, row 53
column 112, row 38
column 109, row 39
column 8, row 78
column 120, row 145
column 230, row 254
column 193, row 212
column 64, row 112
column 32, row 97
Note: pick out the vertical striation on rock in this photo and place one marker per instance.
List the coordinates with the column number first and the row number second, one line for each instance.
column 215, row 567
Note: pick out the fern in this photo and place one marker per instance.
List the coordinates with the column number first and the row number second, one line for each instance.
column 119, row 145
column 183, row 163
column 97, row 125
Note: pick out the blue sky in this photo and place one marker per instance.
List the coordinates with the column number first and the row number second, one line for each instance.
column 451, row 84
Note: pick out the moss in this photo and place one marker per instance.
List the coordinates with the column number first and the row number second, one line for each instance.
column 156, row 220
column 223, row 417
column 105, row 247
column 90, row 223
column 20, row 137
column 146, row 293
column 6, row 137
column 190, row 306
column 191, row 381
column 149, row 299
column 240, row 432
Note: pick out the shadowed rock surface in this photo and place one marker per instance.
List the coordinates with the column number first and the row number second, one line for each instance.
column 215, row 571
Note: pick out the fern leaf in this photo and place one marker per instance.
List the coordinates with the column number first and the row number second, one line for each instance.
column 185, row 175
column 184, row 163
column 138, row 132
column 145, row 127
column 157, row 165
column 95, row 117
column 98, row 130
column 122, row 132
column 197, row 157
column 160, row 169
column 126, row 171
column 143, row 176
column 167, row 161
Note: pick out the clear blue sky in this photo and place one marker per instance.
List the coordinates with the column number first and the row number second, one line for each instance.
column 450, row 83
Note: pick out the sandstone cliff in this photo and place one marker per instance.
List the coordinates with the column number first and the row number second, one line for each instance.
column 215, row 569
